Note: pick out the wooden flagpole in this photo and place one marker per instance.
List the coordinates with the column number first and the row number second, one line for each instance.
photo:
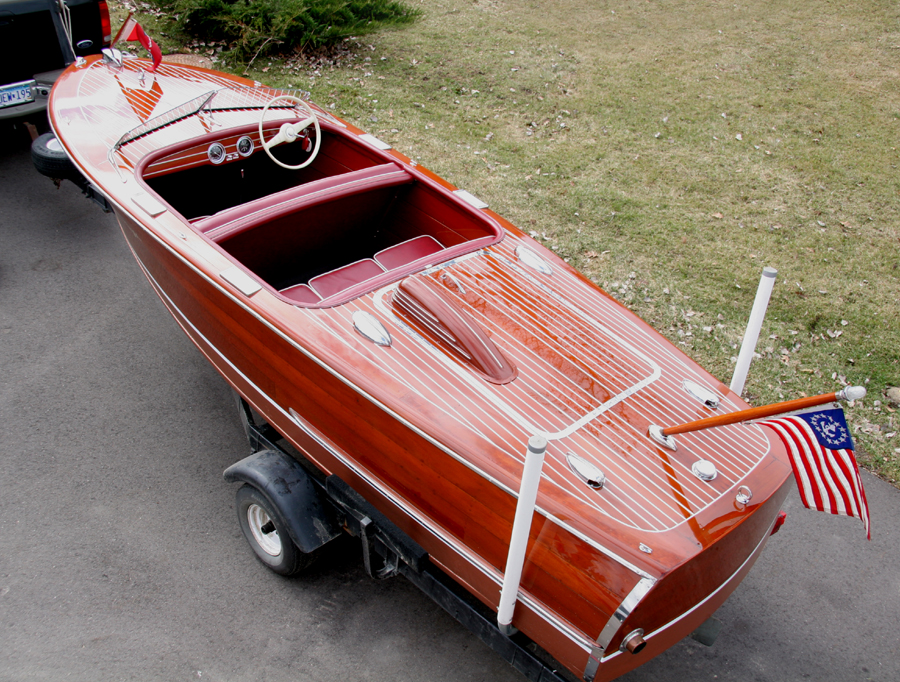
column 848, row 393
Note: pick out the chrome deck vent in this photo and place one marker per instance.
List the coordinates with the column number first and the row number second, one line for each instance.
column 587, row 472
column 533, row 261
column 371, row 328
column 701, row 393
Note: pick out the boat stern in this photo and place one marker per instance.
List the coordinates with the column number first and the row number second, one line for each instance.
column 660, row 612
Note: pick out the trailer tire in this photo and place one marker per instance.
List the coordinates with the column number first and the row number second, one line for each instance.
column 267, row 534
column 50, row 159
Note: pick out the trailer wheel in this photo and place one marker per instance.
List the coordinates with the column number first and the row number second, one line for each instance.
column 267, row 534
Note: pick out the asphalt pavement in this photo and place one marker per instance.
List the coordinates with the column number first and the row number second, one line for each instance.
column 120, row 553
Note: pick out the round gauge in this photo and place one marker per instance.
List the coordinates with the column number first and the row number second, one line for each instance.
column 245, row 146
column 216, row 152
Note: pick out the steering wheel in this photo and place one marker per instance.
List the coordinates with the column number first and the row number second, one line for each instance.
column 290, row 131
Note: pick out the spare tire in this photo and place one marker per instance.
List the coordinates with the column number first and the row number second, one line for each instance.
column 50, row 158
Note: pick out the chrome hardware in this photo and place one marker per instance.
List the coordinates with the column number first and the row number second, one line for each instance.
column 112, row 57
column 615, row 621
column 245, row 146
column 371, row 328
column 645, row 549
column 216, row 153
column 704, row 470
column 470, row 198
column 633, row 642
column 587, row 472
column 533, row 261
column 151, row 206
column 851, row 393
column 452, row 281
column 701, row 393
column 85, row 44
column 240, row 280
column 374, row 141
column 743, row 495
column 656, row 433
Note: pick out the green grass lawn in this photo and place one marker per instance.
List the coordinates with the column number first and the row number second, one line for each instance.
column 670, row 151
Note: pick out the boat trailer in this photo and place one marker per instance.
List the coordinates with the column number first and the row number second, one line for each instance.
column 316, row 508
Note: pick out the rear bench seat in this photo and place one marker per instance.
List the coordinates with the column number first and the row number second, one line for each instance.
column 335, row 281
column 406, row 252
column 341, row 279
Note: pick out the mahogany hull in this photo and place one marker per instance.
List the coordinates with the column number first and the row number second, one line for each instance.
column 435, row 451
column 462, row 520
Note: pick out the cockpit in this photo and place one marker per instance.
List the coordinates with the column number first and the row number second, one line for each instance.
column 317, row 212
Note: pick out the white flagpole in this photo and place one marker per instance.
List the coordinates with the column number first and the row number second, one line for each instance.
column 751, row 336
column 515, row 560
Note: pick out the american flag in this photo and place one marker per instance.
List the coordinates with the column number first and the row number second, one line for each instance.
column 821, row 451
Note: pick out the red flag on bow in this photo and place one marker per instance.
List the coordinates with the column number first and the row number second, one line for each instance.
column 821, row 452
column 131, row 31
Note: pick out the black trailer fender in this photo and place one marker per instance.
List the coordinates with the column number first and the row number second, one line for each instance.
column 312, row 521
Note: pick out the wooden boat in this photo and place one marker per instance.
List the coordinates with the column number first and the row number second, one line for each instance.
column 406, row 339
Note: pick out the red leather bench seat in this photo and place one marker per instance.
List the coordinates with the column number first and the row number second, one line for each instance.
column 406, row 252
column 302, row 293
column 336, row 281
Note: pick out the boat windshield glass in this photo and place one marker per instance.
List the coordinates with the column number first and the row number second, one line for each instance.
column 225, row 99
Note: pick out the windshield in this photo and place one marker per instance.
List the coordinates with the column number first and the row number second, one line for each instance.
column 226, row 99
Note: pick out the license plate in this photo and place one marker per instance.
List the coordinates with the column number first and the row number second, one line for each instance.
column 17, row 93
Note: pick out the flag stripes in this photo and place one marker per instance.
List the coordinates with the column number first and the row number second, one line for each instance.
column 828, row 479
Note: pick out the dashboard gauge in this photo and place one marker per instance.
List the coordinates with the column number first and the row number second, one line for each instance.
column 245, row 146
column 216, row 152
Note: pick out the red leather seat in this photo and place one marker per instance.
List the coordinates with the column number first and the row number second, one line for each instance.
column 336, row 281
column 302, row 293
column 406, row 252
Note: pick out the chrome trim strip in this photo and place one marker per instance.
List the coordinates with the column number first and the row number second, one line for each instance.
column 638, row 592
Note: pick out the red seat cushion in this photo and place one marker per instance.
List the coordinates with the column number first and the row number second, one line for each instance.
column 336, row 281
column 302, row 293
column 406, row 252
